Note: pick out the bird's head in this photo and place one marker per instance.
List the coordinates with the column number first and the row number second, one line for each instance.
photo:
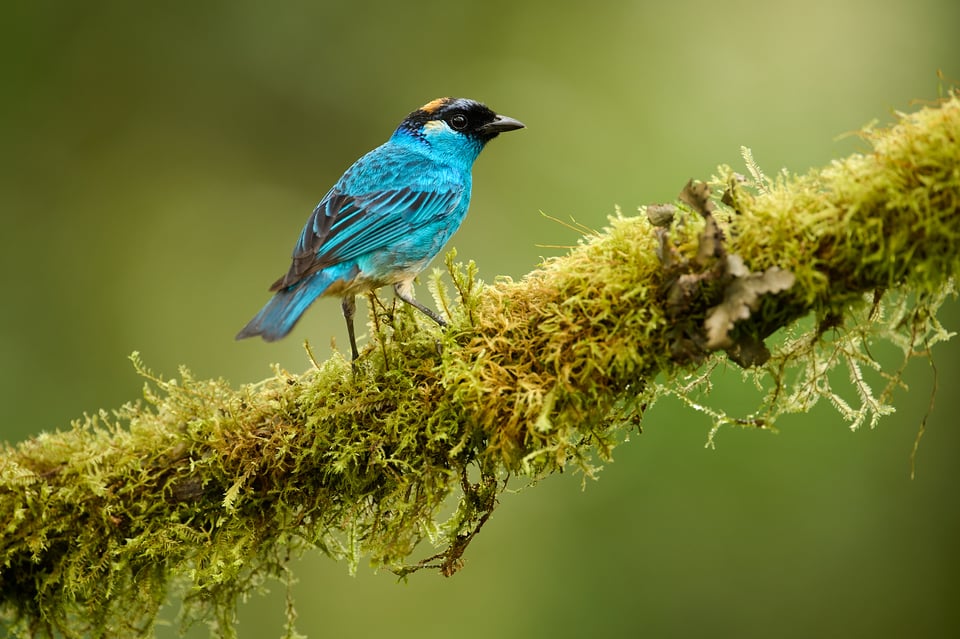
column 455, row 126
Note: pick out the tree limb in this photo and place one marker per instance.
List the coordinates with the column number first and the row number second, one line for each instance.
column 217, row 487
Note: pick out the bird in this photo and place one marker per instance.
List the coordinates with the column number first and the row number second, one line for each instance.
column 387, row 216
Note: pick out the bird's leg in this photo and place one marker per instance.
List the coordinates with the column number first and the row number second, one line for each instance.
column 349, row 306
column 404, row 291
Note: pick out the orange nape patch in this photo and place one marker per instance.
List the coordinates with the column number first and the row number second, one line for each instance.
column 434, row 105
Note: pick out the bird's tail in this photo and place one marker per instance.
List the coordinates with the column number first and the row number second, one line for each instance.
column 282, row 313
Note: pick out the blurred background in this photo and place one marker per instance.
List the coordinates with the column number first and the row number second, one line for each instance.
column 157, row 161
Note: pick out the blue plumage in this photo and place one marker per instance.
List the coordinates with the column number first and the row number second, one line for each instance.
column 386, row 217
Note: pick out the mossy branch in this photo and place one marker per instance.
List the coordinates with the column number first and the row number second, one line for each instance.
column 216, row 487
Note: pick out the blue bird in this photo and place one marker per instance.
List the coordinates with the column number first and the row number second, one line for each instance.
column 386, row 217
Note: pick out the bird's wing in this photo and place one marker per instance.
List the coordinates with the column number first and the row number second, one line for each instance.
column 345, row 226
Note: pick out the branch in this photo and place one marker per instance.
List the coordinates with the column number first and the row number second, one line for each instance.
column 212, row 487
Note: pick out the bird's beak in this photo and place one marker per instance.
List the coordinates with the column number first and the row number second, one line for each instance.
column 500, row 124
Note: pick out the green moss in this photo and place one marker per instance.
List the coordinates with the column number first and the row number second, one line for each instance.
column 209, row 490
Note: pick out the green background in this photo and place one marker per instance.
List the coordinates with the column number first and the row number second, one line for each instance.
column 157, row 163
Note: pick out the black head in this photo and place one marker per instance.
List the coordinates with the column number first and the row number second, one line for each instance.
column 462, row 115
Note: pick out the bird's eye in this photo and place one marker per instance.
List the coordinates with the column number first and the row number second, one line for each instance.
column 458, row 121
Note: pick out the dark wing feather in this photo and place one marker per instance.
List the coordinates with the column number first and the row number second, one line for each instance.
column 343, row 227
column 386, row 217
